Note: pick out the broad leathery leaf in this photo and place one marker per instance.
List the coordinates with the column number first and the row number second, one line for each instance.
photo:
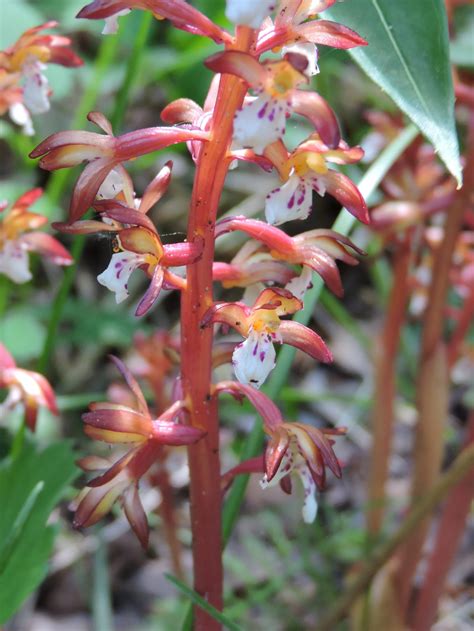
column 30, row 486
column 408, row 57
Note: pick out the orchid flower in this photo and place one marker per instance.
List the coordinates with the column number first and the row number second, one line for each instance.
column 291, row 25
column 137, row 244
column 305, row 170
column 294, row 450
column 18, row 237
column 261, row 327
column 315, row 249
column 262, row 120
column 24, row 385
column 22, row 66
column 115, row 423
column 103, row 153
column 181, row 14
column 252, row 264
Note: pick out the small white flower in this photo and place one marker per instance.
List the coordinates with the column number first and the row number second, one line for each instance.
column 117, row 274
column 36, row 87
column 111, row 23
column 21, row 116
column 14, row 262
column 292, row 200
column 249, row 12
column 293, row 463
column 254, row 358
column 261, row 122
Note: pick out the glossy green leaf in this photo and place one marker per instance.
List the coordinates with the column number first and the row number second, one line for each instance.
column 30, row 486
column 408, row 57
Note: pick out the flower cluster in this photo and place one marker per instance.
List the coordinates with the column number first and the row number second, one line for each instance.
column 19, row 235
column 115, row 423
column 25, row 386
column 274, row 269
column 24, row 89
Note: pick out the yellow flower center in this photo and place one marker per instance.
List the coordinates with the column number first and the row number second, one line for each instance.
column 282, row 79
column 265, row 321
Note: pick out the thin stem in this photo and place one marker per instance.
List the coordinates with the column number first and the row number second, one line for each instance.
column 101, row 602
column 460, row 468
column 196, row 348
column 343, row 224
column 384, row 393
column 433, row 378
column 449, row 533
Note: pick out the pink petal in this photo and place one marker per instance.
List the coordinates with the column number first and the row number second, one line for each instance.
column 157, row 188
column 87, row 186
column 89, row 226
column 176, row 254
column 152, row 293
column 234, row 314
column 28, row 198
column 312, row 106
column 136, row 515
column 118, row 211
column 329, row 34
column 347, row 194
column 131, row 383
column 47, row 246
column 272, row 237
column 169, row 433
column 238, row 63
column 305, row 339
column 181, row 111
column 6, row 360
column 269, row 412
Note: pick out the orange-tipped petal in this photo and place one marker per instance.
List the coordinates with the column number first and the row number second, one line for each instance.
column 347, row 194
column 329, row 33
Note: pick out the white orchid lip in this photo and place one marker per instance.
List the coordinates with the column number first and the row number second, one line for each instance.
column 36, row 89
column 292, row 200
column 261, row 122
column 116, row 276
column 249, row 12
column 14, row 262
column 254, row 358
column 111, row 24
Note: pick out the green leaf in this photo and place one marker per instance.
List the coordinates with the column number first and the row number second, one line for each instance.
column 200, row 602
column 408, row 57
column 30, row 486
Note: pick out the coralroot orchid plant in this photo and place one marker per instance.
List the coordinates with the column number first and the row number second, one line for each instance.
column 243, row 118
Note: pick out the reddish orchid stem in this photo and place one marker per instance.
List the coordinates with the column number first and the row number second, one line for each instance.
column 196, row 347
column 385, row 387
column 463, row 325
column 433, row 382
column 449, row 534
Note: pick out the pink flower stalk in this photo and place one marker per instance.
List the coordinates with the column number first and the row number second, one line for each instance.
column 261, row 327
column 24, row 89
column 29, row 387
column 115, row 423
column 18, row 237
